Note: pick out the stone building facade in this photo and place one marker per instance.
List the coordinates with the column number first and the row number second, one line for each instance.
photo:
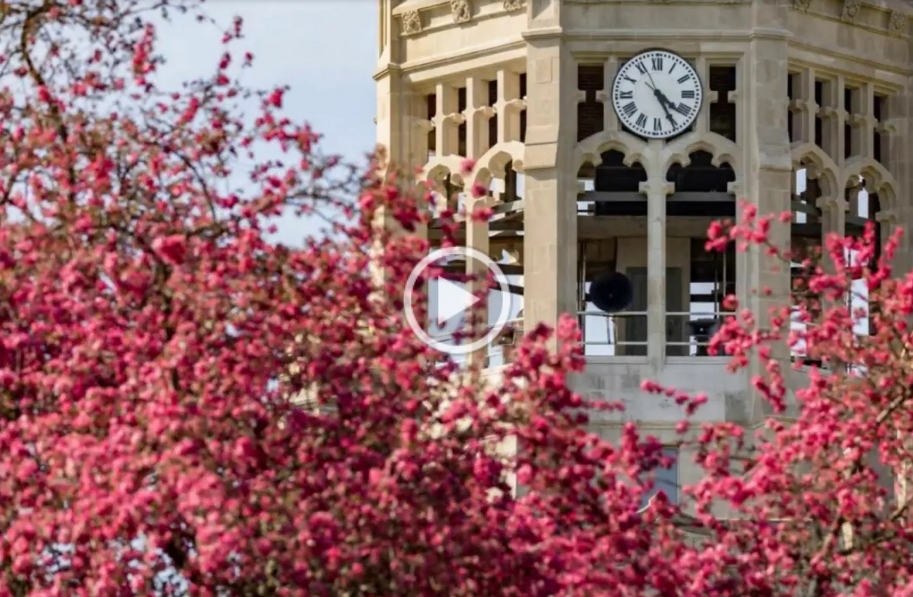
column 807, row 106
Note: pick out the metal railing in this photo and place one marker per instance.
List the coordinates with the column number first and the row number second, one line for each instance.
column 698, row 329
column 615, row 334
column 623, row 337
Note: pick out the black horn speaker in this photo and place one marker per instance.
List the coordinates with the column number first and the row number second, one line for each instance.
column 611, row 292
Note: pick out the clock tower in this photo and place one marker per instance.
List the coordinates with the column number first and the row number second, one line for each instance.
column 610, row 133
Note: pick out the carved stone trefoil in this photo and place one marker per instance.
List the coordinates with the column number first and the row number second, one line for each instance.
column 461, row 10
column 513, row 4
column 851, row 9
column 802, row 5
column 897, row 23
column 412, row 23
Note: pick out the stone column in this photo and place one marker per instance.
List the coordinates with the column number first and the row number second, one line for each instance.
column 833, row 221
column 604, row 95
column 508, row 106
column 834, row 115
column 702, row 123
column 768, row 172
column 656, row 188
column 898, row 127
column 477, row 114
column 550, row 236
column 477, row 238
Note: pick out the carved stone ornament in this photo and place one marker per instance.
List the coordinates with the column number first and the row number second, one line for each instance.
column 801, row 5
column 851, row 9
column 461, row 10
column 897, row 23
column 513, row 4
column 412, row 23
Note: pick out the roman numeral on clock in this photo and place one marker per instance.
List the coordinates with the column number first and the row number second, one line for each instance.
column 657, row 63
column 683, row 109
column 641, row 120
column 643, row 69
column 688, row 94
column 625, row 95
column 629, row 109
column 657, row 125
column 684, row 78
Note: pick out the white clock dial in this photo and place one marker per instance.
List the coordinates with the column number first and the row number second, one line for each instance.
column 657, row 94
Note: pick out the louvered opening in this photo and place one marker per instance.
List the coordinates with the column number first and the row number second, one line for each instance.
column 461, row 130
column 722, row 112
column 431, row 111
column 848, row 149
column 523, row 112
column 590, row 80
column 819, row 122
column 878, row 108
column 493, row 121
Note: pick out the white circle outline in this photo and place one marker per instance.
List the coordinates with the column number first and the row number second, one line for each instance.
column 500, row 323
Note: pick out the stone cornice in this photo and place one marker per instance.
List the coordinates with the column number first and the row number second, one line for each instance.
column 418, row 5
column 835, row 58
column 848, row 11
column 463, row 55
column 386, row 71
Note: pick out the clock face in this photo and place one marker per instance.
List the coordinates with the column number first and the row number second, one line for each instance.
column 657, row 94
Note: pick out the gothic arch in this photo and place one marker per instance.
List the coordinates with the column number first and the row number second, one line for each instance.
column 492, row 163
column 590, row 149
column 878, row 179
column 722, row 149
column 818, row 158
column 440, row 166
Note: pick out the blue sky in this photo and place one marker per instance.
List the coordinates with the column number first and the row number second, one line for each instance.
column 326, row 50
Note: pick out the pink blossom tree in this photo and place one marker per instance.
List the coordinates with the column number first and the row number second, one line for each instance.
column 153, row 337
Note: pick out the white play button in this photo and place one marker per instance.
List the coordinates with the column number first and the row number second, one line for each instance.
column 452, row 300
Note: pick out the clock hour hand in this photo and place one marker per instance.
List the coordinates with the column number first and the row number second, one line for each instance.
column 664, row 102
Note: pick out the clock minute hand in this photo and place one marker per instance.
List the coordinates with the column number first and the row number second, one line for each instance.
column 663, row 102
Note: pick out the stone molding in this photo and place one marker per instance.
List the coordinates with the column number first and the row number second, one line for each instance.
column 461, row 11
column 514, row 4
column 897, row 24
column 851, row 10
column 801, row 5
column 412, row 23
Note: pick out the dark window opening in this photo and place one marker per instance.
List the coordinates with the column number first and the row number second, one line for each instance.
column 523, row 112
column 590, row 80
column 848, row 148
column 722, row 112
column 789, row 114
column 461, row 130
column 493, row 121
column 613, row 176
column 431, row 108
column 701, row 176
column 878, row 109
column 819, row 122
